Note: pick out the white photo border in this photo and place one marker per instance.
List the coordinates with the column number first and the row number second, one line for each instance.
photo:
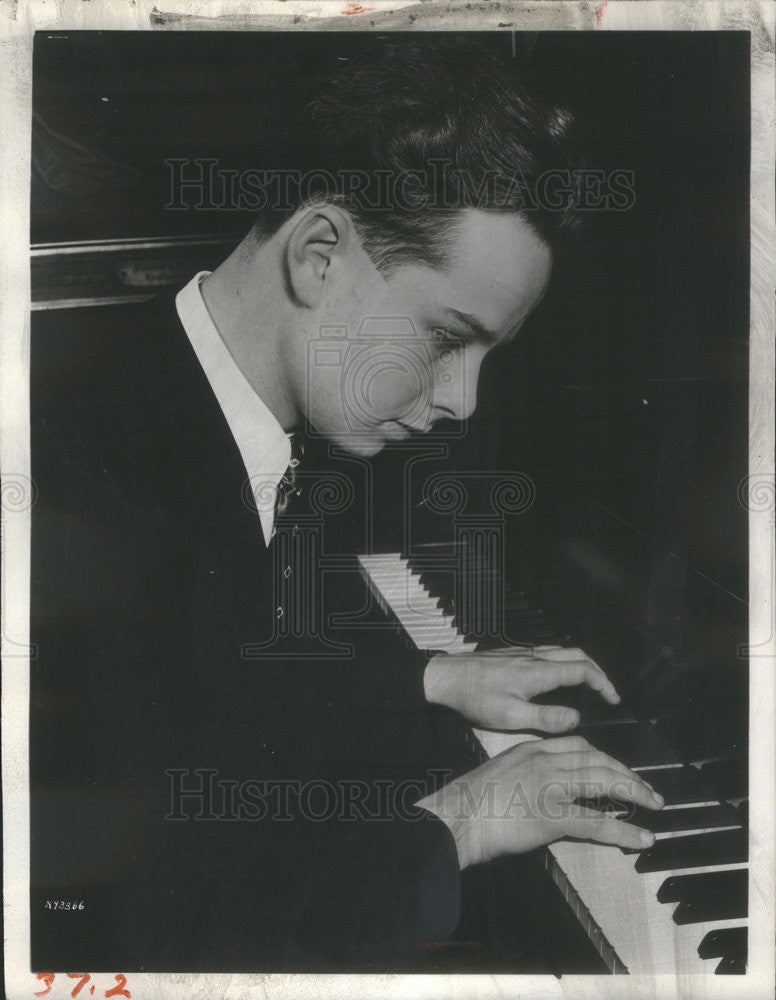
column 18, row 21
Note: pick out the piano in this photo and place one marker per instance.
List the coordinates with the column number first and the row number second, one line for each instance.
column 679, row 907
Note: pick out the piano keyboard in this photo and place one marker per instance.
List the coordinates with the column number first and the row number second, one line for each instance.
column 677, row 908
column 400, row 592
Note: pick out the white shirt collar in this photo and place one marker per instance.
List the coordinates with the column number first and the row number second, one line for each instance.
column 264, row 445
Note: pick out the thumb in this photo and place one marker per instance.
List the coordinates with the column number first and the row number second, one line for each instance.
column 550, row 718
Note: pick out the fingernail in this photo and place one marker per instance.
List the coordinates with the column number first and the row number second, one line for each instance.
column 570, row 719
column 655, row 795
column 647, row 838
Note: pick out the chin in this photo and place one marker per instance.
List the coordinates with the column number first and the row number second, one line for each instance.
column 362, row 446
column 365, row 449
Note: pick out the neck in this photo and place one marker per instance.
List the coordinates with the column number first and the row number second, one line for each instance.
column 244, row 299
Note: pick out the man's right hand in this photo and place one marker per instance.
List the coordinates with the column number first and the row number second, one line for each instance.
column 525, row 798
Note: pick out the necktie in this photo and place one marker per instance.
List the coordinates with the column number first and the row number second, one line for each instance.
column 288, row 486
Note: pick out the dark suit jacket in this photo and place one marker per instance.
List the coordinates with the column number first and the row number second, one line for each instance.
column 150, row 576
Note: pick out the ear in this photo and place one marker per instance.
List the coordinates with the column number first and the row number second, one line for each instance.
column 319, row 236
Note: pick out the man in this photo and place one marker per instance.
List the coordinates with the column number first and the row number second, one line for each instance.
column 257, row 779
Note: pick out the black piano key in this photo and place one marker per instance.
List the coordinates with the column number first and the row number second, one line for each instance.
column 439, row 582
column 446, row 604
column 591, row 706
column 431, row 552
column 636, row 744
column 724, row 942
column 718, row 906
column 674, row 820
column 733, row 882
column 485, row 610
column 486, row 586
column 519, row 628
column 729, row 778
column 518, row 623
column 721, row 847
column 677, row 785
column 519, row 640
column 488, row 642
column 680, row 785
column 699, row 731
column 733, row 965
column 449, row 579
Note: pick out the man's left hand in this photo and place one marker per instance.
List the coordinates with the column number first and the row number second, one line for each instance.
column 493, row 689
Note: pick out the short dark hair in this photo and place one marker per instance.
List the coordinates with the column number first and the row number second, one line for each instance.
column 451, row 126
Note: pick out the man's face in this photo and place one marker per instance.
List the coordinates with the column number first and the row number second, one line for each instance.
column 392, row 355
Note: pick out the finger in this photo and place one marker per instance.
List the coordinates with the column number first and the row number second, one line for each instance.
column 520, row 650
column 579, row 759
column 547, row 718
column 589, row 824
column 596, row 782
column 566, row 744
column 527, row 747
column 573, row 672
column 561, row 654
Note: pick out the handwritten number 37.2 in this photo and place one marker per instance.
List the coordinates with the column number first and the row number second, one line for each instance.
column 119, row 990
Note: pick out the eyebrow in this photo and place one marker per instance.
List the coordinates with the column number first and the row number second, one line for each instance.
column 476, row 327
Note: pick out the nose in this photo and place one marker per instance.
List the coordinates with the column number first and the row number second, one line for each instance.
column 455, row 386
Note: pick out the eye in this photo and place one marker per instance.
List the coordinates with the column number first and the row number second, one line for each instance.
column 445, row 340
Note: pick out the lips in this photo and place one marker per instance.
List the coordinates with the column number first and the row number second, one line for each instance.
column 414, row 428
column 394, row 431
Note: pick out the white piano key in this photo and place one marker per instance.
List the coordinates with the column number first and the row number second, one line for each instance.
column 617, row 905
column 624, row 904
column 695, row 832
column 427, row 625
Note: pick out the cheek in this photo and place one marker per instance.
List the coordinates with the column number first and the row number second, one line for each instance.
column 392, row 383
